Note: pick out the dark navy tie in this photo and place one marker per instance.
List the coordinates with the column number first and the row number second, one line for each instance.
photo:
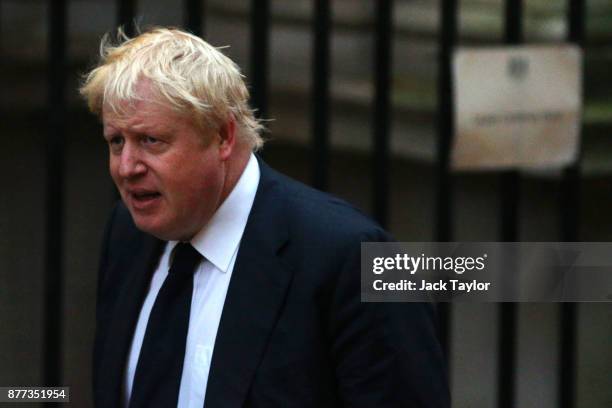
column 160, row 364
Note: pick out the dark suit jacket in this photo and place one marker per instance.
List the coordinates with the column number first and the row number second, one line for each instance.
column 293, row 332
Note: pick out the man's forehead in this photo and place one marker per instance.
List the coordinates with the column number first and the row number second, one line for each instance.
column 138, row 113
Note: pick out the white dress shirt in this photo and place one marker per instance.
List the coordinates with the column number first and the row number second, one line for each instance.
column 218, row 243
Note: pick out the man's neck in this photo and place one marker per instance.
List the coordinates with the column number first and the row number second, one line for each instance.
column 234, row 169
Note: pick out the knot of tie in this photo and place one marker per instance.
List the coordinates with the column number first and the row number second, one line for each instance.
column 186, row 258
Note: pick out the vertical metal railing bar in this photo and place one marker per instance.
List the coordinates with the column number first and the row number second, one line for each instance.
column 54, row 198
column 321, row 94
column 194, row 20
column 1, row 13
column 126, row 13
column 444, row 193
column 570, row 186
column 382, row 109
column 568, row 326
column 570, row 223
column 260, row 44
column 510, row 199
column 126, row 19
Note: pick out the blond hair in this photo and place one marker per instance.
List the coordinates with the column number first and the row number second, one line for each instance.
column 184, row 70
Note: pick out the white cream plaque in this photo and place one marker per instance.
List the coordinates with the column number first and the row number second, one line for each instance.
column 516, row 107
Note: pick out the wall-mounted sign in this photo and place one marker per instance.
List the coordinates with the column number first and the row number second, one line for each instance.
column 516, row 107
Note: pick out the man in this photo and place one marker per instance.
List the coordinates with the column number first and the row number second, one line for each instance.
column 265, row 311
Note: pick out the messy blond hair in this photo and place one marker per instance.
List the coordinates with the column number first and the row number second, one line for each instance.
column 185, row 71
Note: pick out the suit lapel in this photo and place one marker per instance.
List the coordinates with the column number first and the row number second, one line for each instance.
column 254, row 300
column 137, row 265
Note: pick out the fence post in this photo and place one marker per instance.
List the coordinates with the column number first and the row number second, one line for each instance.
column 320, row 98
column 54, row 199
column 382, row 109
column 570, row 222
column 126, row 11
column 260, row 41
column 510, row 225
column 193, row 16
column 445, row 129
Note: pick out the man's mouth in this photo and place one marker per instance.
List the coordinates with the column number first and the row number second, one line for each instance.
column 145, row 196
column 143, row 199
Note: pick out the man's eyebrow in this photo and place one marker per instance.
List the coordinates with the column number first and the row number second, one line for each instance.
column 108, row 132
column 134, row 128
column 140, row 126
column 153, row 128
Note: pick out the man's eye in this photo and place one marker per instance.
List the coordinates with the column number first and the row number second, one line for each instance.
column 115, row 141
column 150, row 140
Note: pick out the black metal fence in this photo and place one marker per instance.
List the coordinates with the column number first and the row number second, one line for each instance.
column 322, row 27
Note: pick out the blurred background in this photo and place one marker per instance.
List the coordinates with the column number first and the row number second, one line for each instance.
column 359, row 101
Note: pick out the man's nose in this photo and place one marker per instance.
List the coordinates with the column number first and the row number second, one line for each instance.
column 130, row 162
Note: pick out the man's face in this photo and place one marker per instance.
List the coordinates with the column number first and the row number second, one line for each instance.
column 169, row 177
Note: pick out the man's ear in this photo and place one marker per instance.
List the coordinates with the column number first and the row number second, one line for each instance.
column 227, row 138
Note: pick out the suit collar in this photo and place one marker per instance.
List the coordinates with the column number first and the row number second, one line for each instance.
column 255, row 296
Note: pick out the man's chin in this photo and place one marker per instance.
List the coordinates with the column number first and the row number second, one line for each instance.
column 158, row 229
column 149, row 226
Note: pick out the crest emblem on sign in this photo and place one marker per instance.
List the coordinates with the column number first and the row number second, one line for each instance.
column 518, row 68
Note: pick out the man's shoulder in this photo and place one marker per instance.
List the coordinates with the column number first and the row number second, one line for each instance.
column 313, row 213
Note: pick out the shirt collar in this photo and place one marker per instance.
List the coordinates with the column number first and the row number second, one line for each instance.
column 219, row 239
